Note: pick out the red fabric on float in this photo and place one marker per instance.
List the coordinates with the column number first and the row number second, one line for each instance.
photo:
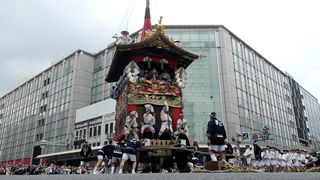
column 175, row 116
column 132, row 107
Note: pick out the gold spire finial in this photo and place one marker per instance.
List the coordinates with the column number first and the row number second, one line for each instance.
column 160, row 26
column 160, row 21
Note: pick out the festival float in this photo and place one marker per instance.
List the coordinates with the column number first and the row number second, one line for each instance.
column 151, row 72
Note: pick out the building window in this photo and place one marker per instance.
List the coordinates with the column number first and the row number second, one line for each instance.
column 43, row 108
column 80, row 134
column 46, row 82
column 2, row 106
column 38, row 137
column 106, row 128
column 95, row 131
column 76, row 135
column 90, row 132
column 84, row 133
column 111, row 128
column 99, row 130
column 41, row 122
column 45, row 95
column 98, row 144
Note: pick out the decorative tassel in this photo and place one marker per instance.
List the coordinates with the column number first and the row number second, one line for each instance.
column 162, row 62
column 149, row 60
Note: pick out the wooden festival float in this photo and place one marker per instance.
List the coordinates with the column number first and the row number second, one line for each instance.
column 151, row 72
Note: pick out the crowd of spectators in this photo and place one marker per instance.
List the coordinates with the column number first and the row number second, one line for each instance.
column 22, row 169
column 267, row 159
column 271, row 159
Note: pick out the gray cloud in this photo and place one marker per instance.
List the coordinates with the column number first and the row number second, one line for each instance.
column 35, row 32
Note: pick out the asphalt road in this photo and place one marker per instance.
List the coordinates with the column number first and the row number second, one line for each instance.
column 175, row 176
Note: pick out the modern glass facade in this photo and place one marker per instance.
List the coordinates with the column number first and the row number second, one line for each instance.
column 42, row 108
column 311, row 113
column 264, row 96
column 299, row 114
column 246, row 91
column 98, row 78
column 202, row 93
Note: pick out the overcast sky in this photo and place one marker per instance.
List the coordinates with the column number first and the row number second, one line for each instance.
column 33, row 33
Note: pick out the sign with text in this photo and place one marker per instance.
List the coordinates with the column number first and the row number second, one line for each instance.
column 245, row 137
column 265, row 136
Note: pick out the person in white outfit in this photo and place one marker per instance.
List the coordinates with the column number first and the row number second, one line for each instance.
column 166, row 121
column 278, row 158
column 283, row 161
column 299, row 160
column 236, row 157
column 291, row 159
column 249, row 155
column 273, row 161
column 131, row 125
column 148, row 119
column 267, row 158
column 124, row 39
column 303, row 158
column 182, row 126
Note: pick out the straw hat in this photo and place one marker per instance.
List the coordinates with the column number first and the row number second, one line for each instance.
column 125, row 33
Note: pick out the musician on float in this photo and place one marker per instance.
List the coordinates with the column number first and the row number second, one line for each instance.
column 148, row 119
column 124, row 39
column 182, row 126
column 131, row 125
column 166, row 121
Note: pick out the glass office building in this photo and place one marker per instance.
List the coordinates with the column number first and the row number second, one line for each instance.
column 246, row 91
column 299, row 112
column 43, row 108
column 201, row 95
column 311, row 114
